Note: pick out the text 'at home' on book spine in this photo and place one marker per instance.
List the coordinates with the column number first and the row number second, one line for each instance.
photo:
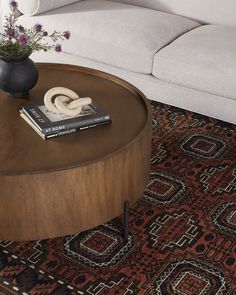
column 77, row 124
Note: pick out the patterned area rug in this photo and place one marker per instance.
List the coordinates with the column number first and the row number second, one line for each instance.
column 183, row 229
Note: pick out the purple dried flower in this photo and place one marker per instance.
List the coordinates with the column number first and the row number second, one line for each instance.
column 13, row 4
column 38, row 27
column 23, row 40
column 58, row 48
column 10, row 32
column 66, row 34
column 21, row 28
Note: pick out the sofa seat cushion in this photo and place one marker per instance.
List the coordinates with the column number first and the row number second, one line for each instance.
column 114, row 33
column 203, row 59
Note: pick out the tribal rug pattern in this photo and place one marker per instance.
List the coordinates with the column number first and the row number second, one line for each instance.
column 183, row 228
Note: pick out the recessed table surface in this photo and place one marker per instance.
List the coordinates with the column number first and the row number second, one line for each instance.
column 74, row 182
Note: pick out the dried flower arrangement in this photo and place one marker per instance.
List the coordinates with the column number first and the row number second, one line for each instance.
column 17, row 41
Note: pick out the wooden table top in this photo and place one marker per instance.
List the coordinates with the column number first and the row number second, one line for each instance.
column 24, row 152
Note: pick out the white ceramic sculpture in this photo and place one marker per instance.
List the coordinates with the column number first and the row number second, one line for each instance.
column 66, row 102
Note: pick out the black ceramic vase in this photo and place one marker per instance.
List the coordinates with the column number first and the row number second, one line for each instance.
column 18, row 76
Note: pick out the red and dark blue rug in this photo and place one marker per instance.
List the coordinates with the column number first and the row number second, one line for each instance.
column 183, row 229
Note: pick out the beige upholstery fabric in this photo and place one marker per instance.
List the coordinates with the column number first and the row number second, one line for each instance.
column 203, row 59
column 207, row 11
column 33, row 7
column 117, row 34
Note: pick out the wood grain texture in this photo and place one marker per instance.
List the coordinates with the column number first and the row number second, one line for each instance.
column 75, row 182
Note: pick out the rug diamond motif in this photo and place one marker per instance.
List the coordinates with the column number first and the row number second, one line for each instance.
column 203, row 146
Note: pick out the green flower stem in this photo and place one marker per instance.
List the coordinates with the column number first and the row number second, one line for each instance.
column 10, row 39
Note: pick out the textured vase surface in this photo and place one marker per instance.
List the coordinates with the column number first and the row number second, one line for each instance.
column 18, row 76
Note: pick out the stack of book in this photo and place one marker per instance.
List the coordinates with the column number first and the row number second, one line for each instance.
column 48, row 124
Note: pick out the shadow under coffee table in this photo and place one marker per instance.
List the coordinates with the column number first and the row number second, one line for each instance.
column 75, row 182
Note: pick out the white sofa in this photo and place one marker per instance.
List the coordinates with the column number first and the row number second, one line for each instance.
column 187, row 61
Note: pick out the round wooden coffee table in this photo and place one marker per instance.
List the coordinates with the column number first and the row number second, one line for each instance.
column 72, row 183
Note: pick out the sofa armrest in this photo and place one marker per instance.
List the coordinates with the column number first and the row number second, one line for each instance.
column 33, row 7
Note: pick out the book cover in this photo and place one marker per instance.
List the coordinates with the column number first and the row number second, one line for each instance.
column 48, row 122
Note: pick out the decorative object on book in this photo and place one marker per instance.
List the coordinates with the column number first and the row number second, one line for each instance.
column 66, row 101
column 18, row 73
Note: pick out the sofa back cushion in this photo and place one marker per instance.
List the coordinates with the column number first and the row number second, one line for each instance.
column 33, row 7
column 125, row 36
column 206, row 11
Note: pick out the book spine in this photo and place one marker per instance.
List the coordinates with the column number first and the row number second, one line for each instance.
column 73, row 130
column 61, row 133
column 72, row 125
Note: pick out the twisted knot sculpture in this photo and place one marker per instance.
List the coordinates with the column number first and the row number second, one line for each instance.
column 66, row 102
